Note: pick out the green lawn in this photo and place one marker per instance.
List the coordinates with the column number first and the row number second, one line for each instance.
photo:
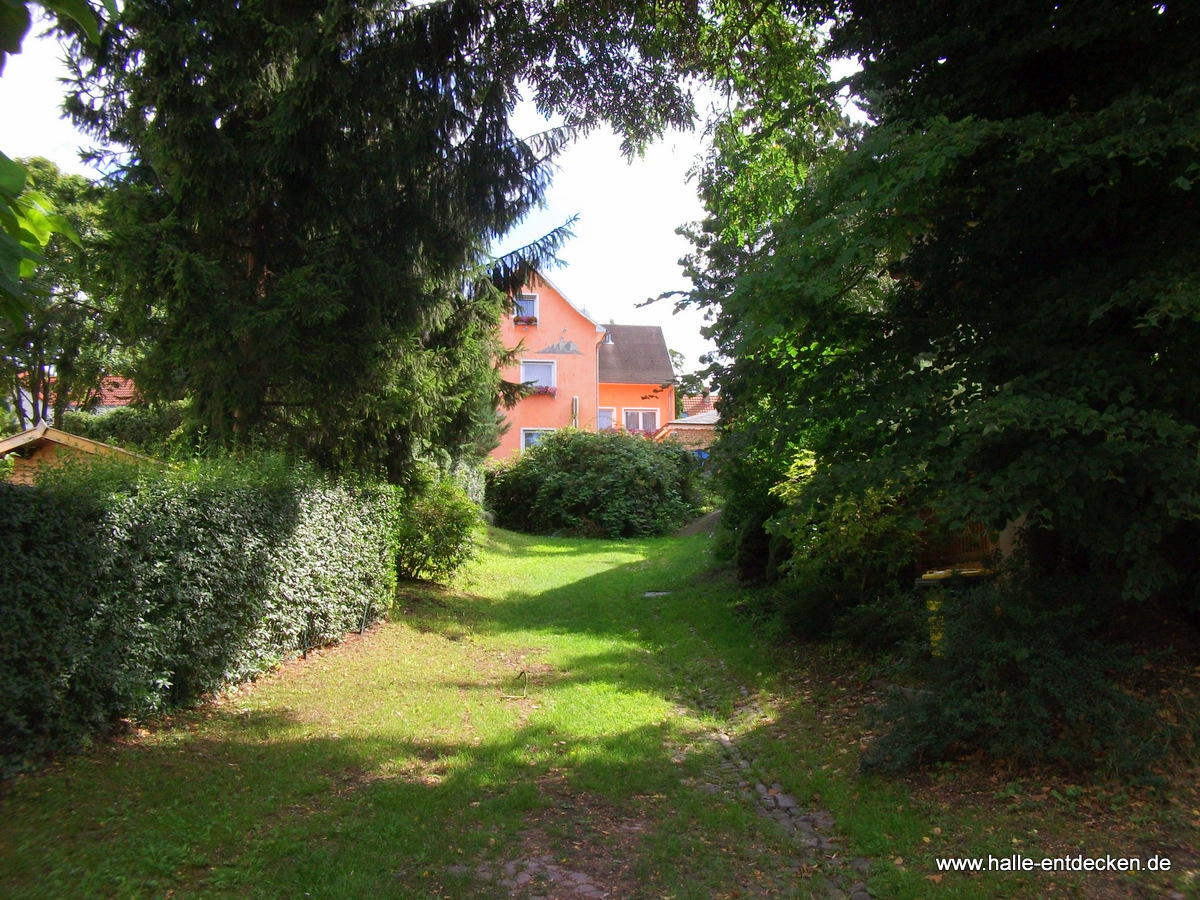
column 419, row 761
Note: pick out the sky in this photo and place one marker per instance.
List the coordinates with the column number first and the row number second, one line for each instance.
column 625, row 248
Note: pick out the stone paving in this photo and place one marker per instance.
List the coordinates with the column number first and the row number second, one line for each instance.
column 811, row 829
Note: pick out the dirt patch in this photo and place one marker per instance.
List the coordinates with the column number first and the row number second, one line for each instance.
column 703, row 525
column 577, row 846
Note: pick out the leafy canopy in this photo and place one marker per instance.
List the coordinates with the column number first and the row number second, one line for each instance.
column 986, row 303
column 56, row 351
column 27, row 221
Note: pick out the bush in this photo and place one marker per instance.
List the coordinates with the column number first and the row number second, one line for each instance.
column 435, row 534
column 606, row 484
column 149, row 429
column 1019, row 673
column 849, row 565
column 124, row 592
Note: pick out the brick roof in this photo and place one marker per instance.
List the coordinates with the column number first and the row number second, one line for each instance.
column 637, row 355
column 693, row 405
column 116, row 391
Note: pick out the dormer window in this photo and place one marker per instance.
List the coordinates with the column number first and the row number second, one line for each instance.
column 525, row 309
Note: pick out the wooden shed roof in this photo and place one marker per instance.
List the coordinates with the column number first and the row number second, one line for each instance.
column 44, row 434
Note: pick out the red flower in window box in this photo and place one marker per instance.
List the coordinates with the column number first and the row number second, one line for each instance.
column 524, row 320
column 543, row 390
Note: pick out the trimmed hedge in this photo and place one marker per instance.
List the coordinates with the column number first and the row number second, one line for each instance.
column 606, row 484
column 125, row 592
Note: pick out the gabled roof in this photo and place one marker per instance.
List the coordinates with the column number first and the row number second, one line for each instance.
column 113, row 391
column 44, row 434
column 539, row 277
column 693, row 405
column 637, row 355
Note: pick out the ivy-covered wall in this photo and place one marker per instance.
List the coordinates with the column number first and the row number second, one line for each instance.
column 123, row 593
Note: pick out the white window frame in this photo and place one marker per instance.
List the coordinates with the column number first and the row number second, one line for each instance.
column 612, row 418
column 640, row 410
column 525, row 432
column 553, row 364
column 533, row 297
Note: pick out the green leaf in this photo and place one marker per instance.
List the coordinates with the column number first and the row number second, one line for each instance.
column 59, row 225
column 37, row 224
column 12, row 253
column 80, row 12
column 12, row 176
column 14, row 25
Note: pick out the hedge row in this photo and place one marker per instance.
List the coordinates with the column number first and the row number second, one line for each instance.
column 125, row 592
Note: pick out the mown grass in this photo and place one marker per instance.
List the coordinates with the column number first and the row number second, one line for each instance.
column 394, row 765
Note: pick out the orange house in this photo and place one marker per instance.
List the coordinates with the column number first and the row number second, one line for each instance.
column 583, row 374
column 636, row 379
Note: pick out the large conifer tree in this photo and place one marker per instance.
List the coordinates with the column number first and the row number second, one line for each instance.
column 307, row 190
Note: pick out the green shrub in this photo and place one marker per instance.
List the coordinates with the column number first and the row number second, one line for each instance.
column 850, row 563
column 150, row 429
column 607, row 484
column 1019, row 673
column 435, row 534
column 126, row 591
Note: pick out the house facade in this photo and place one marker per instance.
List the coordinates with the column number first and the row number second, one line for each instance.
column 585, row 375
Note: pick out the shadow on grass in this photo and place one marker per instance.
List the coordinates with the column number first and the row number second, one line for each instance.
column 273, row 804
column 685, row 644
column 241, row 814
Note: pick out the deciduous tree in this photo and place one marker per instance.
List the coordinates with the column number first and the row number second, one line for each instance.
column 27, row 222
column 988, row 304
column 58, row 348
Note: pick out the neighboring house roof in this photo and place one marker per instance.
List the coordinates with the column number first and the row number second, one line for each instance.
column 116, row 391
column 637, row 355
column 698, row 432
column 693, row 405
column 708, row 417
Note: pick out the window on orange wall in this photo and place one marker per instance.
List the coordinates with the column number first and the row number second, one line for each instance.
column 540, row 373
column 641, row 420
column 606, row 419
column 530, row 436
column 525, row 306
